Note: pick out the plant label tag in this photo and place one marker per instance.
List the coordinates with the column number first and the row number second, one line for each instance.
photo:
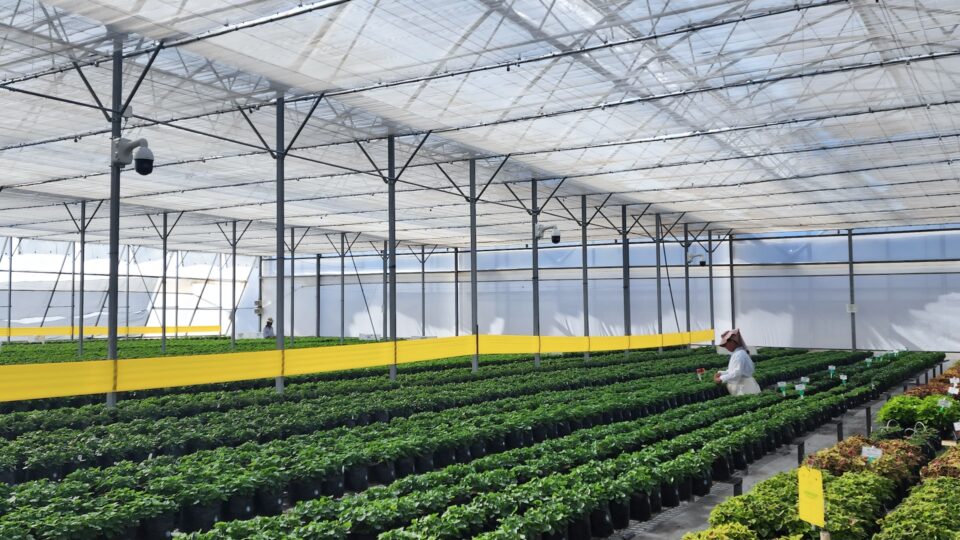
column 872, row 453
column 781, row 384
column 956, row 427
column 954, row 381
column 953, row 391
column 804, row 380
column 831, row 369
column 945, row 403
column 843, row 379
column 869, row 361
column 800, row 387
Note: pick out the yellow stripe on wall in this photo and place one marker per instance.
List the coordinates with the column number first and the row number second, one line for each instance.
column 33, row 381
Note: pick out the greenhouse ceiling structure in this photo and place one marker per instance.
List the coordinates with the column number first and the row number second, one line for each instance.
column 740, row 116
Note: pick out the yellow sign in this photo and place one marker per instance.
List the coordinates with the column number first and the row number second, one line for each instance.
column 811, row 496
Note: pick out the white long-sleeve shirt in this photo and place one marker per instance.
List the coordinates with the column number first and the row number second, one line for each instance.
column 740, row 366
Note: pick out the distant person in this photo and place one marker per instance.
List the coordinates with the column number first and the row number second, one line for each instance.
column 739, row 373
column 268, row 329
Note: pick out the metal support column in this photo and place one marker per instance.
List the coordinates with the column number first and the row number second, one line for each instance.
column 233, row 285
column 176, row 295
column 343, row 305
column 733, row 296
column 113, row 281
column 163, row 289
column 853, row 302
column 686, row 272
column 385, row 329
column 423, row 292
column 126, row 293
column 625, row 271
column 73, row 289
column 83, row 273
column 658, row 243
column 293, row 283
column 474, row 325
column 392, row 245
column 9, row 286
column 534, row 214
column 456, row 292
column 317, row 316
column 281, row 270
column 584, row 272
column 710, row 280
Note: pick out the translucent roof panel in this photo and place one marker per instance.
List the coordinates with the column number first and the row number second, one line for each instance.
column 746, row 116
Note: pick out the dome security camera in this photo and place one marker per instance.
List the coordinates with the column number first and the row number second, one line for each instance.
column 143, row 160
column 123, row 154
column 554, row 234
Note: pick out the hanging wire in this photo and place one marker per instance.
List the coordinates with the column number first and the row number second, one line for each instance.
column 364, row 295
column 666, row 266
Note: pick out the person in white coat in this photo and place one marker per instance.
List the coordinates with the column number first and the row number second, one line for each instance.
column 739, row 373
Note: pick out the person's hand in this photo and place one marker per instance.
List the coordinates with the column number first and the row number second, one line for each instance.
column 716, row 377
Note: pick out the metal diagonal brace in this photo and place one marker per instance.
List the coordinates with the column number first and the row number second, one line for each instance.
column 452, row 183
column 637, row 220
column 263, row 141
column 304, row 123
column 93, row 93
column 372, row 163
column 494, row 175
column 602, row 204
column 413, row 155
column 143, row 74
column 573, row 217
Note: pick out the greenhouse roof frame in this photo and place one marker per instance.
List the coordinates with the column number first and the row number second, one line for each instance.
column 815, row 115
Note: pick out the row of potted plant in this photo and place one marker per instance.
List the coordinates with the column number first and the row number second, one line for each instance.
column 857, row 491
column 203, row 481
column 187, row 404
column 583, row 503
column 579, row 512
column 40, row 454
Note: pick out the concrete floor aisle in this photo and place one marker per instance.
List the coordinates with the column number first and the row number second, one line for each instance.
column 672, row 523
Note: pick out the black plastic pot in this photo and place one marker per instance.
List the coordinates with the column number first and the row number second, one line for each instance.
column 424, row 463
column 478, row 449
column 240, row 506
column 559, row 535
column 405, row 467
column 563, row 429
column 685, row 488
column 601, row 522
column 333, row 485
column 382, row 416
column 444, row 457
column 739, row 460
column 539, row 433
column 383, row 473
column 721, row 469
column 620, row 513
column 201, row 517
column 157, row 527
column 305, row 489
column 758, row 449
column 579, row 529
column 670, row 495
column 462, row 454
column 356, row 478
column 528, row 439
column 268, row 503
column 496, row 444
column 514, row 439
column 656, row 501
column 640, row 507
column 702, row 484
